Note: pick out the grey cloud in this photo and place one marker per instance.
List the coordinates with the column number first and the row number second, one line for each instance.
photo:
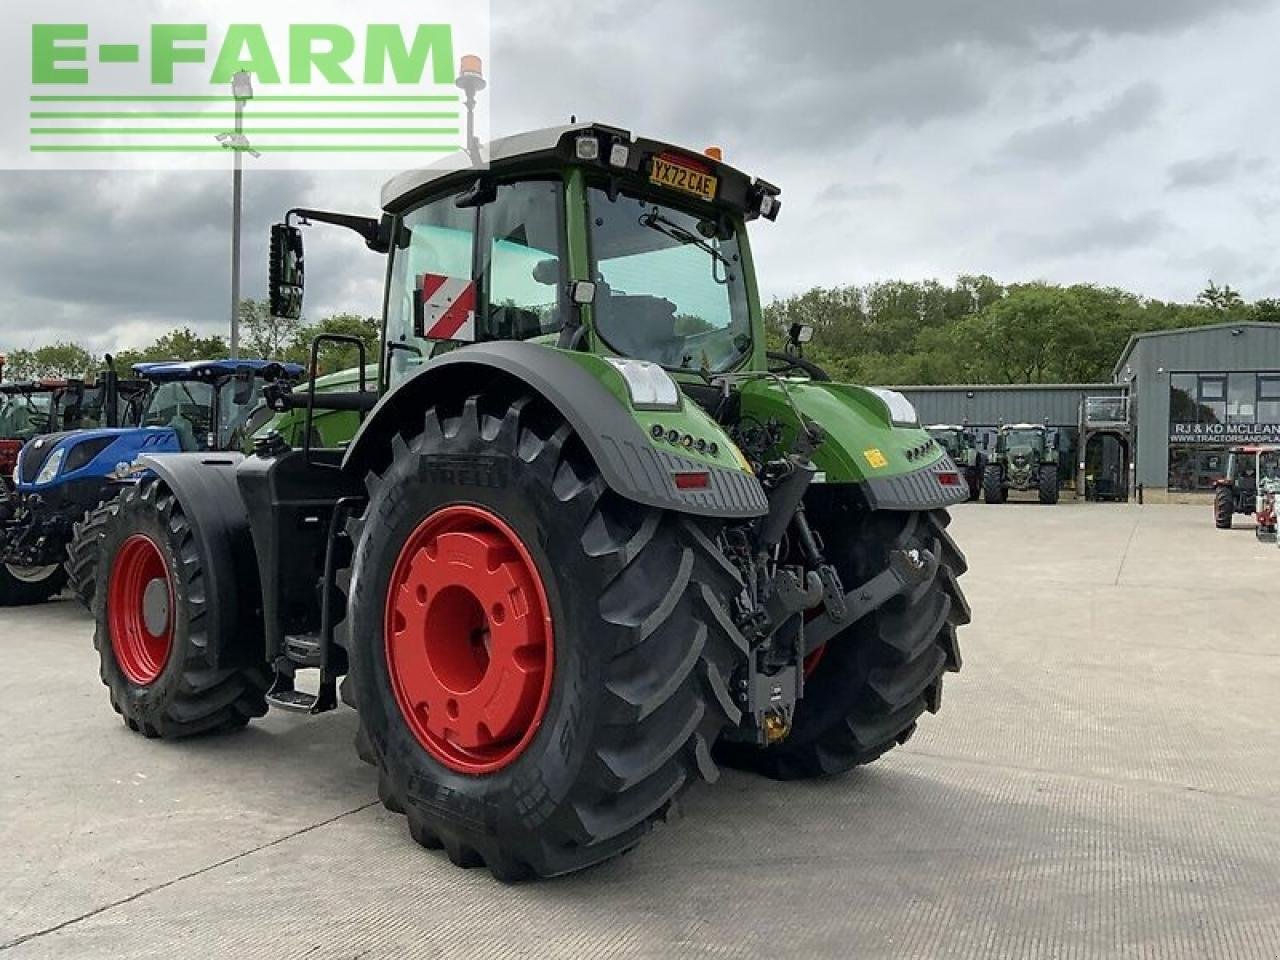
column 1062, row 143
column 1109, row 233
column 1212, row 170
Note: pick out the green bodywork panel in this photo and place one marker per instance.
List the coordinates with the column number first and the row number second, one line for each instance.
column 335, row 428
column 690, row 421
column 861, row 440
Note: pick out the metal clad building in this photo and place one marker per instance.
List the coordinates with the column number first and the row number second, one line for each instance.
column 1199, row 391
column 1192, row 394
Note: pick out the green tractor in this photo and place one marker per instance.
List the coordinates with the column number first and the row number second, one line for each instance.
column 1025, row 459
column 586, row 547
column 962, row 446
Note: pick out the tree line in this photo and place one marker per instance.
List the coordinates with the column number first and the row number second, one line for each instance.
column 261, row 337
column 980, row 331
column 975, row 330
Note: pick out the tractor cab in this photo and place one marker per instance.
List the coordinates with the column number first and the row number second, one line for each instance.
column 29, row 409
column 210, row 404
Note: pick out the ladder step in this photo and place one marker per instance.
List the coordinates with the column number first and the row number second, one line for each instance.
column 303, row 649
column 295, row 701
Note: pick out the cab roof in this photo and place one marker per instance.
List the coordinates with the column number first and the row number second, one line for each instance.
column 557, row 145
column 214, row 369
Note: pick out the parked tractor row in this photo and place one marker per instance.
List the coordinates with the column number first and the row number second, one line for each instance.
column 581, row 541
column 70, row 450
column 1025, row 459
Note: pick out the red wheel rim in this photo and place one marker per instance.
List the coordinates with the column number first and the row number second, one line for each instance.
column 469, row 639
column 140, row 610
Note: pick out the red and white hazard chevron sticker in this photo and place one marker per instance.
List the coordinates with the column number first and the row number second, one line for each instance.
column 448, row 308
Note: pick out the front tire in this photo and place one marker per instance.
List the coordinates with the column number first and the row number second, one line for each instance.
column 866, row 689
column 1224, row 508
column 82, row 551
column 993, row 490
column 1048, row 484
column 635, row 644
column 24, row 586
column 152, row 626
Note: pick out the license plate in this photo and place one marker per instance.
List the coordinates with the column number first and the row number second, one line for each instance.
column 676, row 176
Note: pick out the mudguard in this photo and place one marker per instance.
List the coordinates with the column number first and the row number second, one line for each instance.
column 631, row 447
column 895, row 466
column 205, row 485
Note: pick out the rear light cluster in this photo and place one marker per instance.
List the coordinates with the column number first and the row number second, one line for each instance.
column 949, row 478
column 9, row 450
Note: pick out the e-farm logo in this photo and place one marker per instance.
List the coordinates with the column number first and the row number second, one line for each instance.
column 116, row 90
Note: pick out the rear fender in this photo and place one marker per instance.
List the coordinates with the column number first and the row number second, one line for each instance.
column 592, row 396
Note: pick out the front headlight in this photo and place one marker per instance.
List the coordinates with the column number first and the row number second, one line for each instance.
column 901, row 411
column 51, row 466
column 650, row 387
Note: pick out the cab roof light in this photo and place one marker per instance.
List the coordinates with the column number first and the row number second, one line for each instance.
column 619, row 154
column 715, row 153
column 587, row 147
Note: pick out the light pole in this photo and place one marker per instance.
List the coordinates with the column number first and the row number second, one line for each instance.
column 242, row 90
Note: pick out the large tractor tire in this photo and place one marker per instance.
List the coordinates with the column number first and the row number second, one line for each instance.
column 541, row 668
column 1048, row 483
column 23, row 586
column 1224, row 507
column 866, row 689
column 973, row 477
column 153, row 626
column 82, row 551
column 993, row 488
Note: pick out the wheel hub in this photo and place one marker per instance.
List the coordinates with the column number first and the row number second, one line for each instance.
column 469, row 639
column 140, row 610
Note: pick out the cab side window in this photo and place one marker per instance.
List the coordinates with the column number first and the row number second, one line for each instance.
column 503, row 282
column 520, row 262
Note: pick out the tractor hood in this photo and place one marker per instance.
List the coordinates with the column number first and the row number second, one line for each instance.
column 62, row 457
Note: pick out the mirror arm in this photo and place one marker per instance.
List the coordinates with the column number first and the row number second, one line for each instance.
column 376, row 233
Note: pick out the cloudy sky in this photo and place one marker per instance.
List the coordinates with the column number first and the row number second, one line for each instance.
column 1121, row 142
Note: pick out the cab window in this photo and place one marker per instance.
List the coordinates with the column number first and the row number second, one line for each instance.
column 514, row 270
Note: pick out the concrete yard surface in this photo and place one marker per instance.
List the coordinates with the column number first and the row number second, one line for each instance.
column 1103, row 781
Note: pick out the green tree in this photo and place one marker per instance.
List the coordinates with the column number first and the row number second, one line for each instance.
column 263, row 336
column 1220, row 298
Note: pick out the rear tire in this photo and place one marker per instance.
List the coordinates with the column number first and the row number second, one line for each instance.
column 152, row 653
column 873, row 680
column 993, row 490
column 82, row 551
column 1048, row 483
column 641, row 644
column 1224, row 508
column 24, row 586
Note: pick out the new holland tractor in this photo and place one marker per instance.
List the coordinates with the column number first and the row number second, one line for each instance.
column 961, row 445
column 1025, row 459
column 65, row 483
column 586, row 546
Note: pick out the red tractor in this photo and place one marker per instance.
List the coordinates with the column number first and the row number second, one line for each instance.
column 1237, row 491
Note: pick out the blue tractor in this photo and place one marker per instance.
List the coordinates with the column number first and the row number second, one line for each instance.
column 65, row 483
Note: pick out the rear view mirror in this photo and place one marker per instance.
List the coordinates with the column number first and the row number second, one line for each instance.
column 243, row 392
column 801, row 333
column 286, row 272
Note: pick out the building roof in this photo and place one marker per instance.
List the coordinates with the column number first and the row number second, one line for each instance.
column 212, row 369
column 1184, row 331
column 978, row 387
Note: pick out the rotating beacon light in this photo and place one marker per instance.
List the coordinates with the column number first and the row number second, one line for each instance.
column 471, row 81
